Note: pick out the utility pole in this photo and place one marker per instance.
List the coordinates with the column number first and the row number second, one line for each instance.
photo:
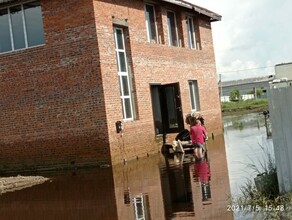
column 220, row 80
column 255, row 93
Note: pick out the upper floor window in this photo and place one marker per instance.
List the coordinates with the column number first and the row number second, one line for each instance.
column 151, row 23
column 194, row 94
column 191, row 33
column 123, row 74
column 21, row 26
column 172, row 29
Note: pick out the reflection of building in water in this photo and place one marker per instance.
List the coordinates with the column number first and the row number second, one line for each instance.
column 177, row 189
column 138, row 190
column 156, row 188
column 206, row 192
column 127, row 192
column 164, row 188
column 127, row 196
column 203, row 176
column 184, row 197
column 141, row 207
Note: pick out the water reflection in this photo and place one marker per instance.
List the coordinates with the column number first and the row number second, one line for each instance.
column 142, row 207
column 203, row 176
column 244, row 147
column 154, row 188
column 189, row 191
column 240, row 122
column 247, row 148
column 79, row 195
column 177, row 187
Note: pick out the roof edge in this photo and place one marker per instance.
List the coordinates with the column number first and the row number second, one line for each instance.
column 213, row 16
column 283, row 64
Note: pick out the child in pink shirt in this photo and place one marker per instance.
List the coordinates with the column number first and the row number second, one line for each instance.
column 198, row 133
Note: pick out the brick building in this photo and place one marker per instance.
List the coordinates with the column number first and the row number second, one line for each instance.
column 71, row 70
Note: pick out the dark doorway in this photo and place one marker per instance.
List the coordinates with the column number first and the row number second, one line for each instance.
column 167, row 111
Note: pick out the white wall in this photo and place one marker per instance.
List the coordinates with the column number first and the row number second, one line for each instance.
column 280, row 107
column 283, row 71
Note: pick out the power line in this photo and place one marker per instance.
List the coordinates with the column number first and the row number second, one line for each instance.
column 233, row 71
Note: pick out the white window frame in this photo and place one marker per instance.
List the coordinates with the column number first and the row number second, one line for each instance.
column 139, row 199
column 190, row 34
column 148, row 25
column 24, row 27
column 170, row 40
column 194, row 95
column 121, row 74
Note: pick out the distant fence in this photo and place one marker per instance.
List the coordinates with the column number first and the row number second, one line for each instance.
column 280, row 107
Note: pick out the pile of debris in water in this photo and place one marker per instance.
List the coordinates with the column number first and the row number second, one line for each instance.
column 10, row 184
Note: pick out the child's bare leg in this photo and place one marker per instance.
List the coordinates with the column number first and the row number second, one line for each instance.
column 196, row 153
column 200, row 153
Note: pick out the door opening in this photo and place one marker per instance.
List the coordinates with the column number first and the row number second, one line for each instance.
column 167, row 111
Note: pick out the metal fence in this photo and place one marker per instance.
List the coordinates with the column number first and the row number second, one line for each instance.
column 280, row 107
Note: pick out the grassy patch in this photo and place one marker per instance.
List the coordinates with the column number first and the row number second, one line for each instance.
column 260, row 196
column 251, row 105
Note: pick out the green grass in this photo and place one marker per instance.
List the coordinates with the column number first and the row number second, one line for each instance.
column 244, row 106
column 262, row 197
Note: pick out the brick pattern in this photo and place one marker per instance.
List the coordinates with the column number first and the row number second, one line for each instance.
column 51, row 98
column 59, row 102
column 153, row 63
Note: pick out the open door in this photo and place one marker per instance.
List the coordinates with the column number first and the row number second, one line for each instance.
column 167, row 111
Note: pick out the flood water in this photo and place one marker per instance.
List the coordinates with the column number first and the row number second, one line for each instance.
column 246, row 143
column 154, row 188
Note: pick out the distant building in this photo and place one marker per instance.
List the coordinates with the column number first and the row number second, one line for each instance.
column 283, row 76
column 283, row 71
column 245, row 86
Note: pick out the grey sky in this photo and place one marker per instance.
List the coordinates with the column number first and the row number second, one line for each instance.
column 252, row 37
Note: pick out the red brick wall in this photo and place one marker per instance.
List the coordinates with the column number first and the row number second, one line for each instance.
column 59, row 102
column 51, row 97
column 153, row 63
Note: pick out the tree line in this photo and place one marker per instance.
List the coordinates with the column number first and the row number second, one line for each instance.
column 235, row 95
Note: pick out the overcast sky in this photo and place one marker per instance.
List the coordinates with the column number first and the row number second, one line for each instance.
column 252, row 37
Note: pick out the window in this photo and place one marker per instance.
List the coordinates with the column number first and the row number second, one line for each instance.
column 194, row 95
column 21, row 26
column 141, row 207
column 191, row 33
column 151, row 23
column 124, row 80
column 172, row 29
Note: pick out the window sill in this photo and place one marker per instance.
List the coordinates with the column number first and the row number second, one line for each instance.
column 128, row 120
column 22, row 49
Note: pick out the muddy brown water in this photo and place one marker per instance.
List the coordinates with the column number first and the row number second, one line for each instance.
column 154, row 188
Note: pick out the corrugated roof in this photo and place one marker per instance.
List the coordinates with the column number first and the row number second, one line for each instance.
column 213, row 16
column 248, row 81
